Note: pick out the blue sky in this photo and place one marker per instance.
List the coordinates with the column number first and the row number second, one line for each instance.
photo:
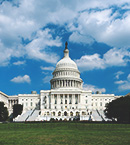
column 33, row 34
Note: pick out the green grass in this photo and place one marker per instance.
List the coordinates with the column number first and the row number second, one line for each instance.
column 64, row 133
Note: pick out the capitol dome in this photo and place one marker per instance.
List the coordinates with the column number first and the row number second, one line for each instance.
column 66, row 61
column 66, row 73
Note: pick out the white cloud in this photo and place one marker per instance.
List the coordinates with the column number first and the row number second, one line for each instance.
column 117, row 57
column 124, row 85
column 19, row 62
column 47, row 79
column 93, row 88
column 104, row 26
column 128, row 77
column 79, row 38
column 21, row 79
column 118, row 74
column 90, row 62
column 87, row 20
column 113, row 57
column 37, row 48
column 47, row 68
column 120, row 82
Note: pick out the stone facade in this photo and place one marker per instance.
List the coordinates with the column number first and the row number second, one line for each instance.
column 66, row 99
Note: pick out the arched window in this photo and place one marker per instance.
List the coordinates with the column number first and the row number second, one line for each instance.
column 71, row 113
column 59, row 113
column 77, row 113
column 53, row 113
column 83, row 113
column 65, row 113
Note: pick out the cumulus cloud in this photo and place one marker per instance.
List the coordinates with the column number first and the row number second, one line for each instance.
column 120, row 82
column 118, row 74
column 88, row 21
column 128, row 77
column 75, row 37
column 93, row 88
column 123, row 85
column 113, row 57
column 50, row 68
column 90, row 62
column 21, row 79
column 19, row 62
column 37, row 48
column 104, row 26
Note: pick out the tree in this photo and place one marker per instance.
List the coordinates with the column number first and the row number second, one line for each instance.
column 3, row 112
column 119, row 109
column 17, row 110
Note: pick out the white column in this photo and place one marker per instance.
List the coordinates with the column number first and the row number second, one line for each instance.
column 73, row 99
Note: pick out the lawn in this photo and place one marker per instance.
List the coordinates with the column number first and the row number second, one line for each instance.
column 64, row 133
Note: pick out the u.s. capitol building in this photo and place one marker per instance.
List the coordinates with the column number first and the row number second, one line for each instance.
column 65, row 100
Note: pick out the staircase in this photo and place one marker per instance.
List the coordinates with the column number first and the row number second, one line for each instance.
column 96, row 115
column 103, row 115
column 23, row 116
column 33, row 115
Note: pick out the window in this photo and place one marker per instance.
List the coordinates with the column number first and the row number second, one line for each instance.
column 83, row 113
column 61, row 97
column 55, row 101
column 65, row 99
column 31, row 103
column 65, row 107
column 86, row 96
column 71, row 113
column 53, row 113
column 26, row 104
column 86, row 101
column 55, row 96
column 77, row 113
column 59, row 113
column 70, row 99
column 100, row 103
column 76, row 99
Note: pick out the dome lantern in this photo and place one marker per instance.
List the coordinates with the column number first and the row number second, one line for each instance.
column 66, row 51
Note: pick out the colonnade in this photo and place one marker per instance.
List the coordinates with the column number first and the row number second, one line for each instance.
column 66, row 73
column 63, row 100
column 12, row 102
column 66, row 83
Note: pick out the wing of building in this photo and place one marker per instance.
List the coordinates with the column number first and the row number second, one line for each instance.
column 66, row 100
